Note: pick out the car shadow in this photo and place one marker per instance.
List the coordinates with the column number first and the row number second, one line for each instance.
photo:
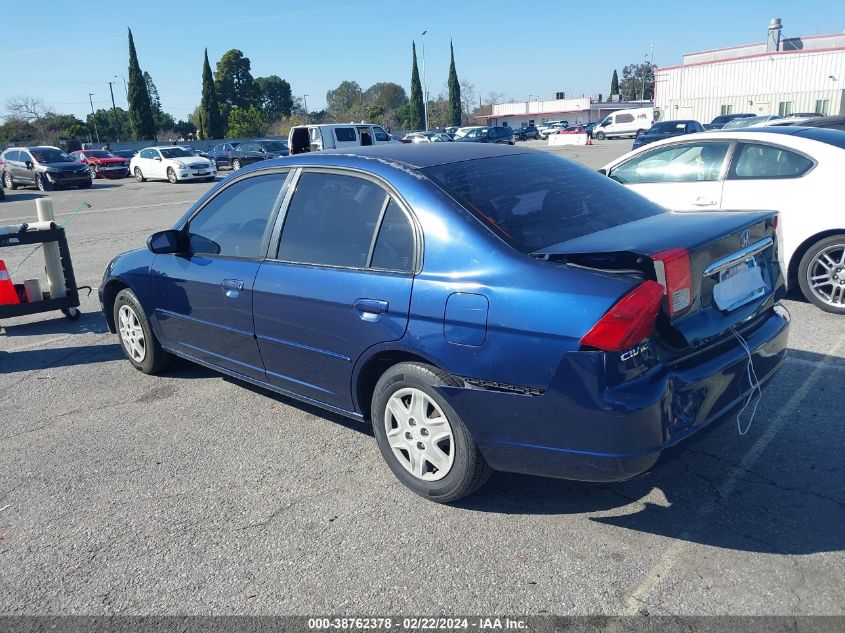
column 21, row 196
column 88, row 322
column 18, row 361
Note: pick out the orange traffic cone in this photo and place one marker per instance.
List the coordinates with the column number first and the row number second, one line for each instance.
column 589, row 140
column 8, row 294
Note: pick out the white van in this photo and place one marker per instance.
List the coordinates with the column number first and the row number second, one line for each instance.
column 630, row 123
column 314, row 138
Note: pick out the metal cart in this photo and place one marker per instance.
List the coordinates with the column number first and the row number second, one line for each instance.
column 69, row 304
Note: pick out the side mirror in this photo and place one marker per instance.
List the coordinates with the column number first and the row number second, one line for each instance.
column 165, row 242
column 603, row 171
column 158, row 158
column 29, row 165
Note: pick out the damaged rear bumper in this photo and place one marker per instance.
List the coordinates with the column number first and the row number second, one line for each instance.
column 581, row 429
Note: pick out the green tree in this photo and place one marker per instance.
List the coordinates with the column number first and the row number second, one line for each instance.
column 246, row 122
column 274, row 97
column 234, row 83
column 185, row 129
column 417, row 107
column 614, row 84
column 162, row 120
column 454, row 110
column 346, row 100
column 386, row 94
column 637, row 81
column 110, row 124
column 142, row 124
column 212, row 122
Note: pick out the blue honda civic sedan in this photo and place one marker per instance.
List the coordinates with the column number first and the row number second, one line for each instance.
column 484, row 307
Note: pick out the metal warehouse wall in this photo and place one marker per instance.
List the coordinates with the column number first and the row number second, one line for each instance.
column 756, row 84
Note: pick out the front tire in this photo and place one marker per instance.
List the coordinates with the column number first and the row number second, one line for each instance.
column 422, row 438
column 600, row 136
column 821, row 274
column 139, row 344
column 139, row 176
column 41, row 184
column 171, row 176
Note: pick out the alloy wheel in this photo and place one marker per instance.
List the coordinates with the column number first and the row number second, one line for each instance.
column 7, row 179
column 419, row 434
column 132, row 334
column 171, row 175
column 826, row 275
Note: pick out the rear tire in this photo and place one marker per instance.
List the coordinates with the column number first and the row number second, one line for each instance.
column 139, row 344
column 639, row 133
column 416, row 428
column 236, row 165
column 821, row 274
column 7, row 180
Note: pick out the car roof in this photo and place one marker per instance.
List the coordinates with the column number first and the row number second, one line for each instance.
column 422, row 155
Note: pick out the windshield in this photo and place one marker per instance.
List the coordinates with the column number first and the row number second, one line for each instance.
column 176, row 152
column 605, row 122
column 274, row 146
column 50, row 155
column 536, row 200
column 668, row 127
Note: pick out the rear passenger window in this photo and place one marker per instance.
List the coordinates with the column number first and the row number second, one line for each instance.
column 343, row 134
column 331, row 220
column 395, row 242
column 767, row 161
column 234, row 221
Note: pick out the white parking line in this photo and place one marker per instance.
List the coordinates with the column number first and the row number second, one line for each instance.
column 178, row 203
column 667, row 561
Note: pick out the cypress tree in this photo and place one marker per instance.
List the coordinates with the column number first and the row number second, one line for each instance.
column 614, row 84
column 141, row 120
column 454, row 91
column 417, row 108
column 212, row 121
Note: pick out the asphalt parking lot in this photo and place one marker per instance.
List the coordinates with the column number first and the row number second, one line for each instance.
column 191, row 493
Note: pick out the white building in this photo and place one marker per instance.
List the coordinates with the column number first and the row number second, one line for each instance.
column 779, row 76
column 575, row 111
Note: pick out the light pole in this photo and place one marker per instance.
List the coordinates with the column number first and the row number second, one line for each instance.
column 125, row 88
column 305, row 104
column 93, row 117
column 425, row 85
column 114, row 113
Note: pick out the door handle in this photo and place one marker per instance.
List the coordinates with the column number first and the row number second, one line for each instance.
column 370, row 309
column 232, row 287
column 704, row 202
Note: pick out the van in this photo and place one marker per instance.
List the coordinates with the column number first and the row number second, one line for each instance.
column 629, row 123
column 314, row 138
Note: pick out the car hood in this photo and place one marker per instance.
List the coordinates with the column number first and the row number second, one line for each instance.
column 115, row 160
column 187, row 161
column 69, row 166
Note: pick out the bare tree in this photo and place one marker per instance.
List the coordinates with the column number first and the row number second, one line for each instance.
column 28, row 108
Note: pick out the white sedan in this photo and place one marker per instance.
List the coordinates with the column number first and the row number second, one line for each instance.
column 171, row 163
column 794, row 170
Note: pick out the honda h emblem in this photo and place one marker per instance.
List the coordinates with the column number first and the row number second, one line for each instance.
column 743, row 239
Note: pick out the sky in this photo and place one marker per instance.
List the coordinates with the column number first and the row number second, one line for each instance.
column 517, row 49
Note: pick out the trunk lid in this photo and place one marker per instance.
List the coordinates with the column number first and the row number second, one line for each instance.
column 733, row 271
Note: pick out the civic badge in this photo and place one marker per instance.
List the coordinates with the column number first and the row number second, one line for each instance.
column 743, row 238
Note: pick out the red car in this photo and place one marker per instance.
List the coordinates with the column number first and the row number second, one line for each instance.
column 102, row 163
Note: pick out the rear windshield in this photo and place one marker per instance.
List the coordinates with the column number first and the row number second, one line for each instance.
column 536, row 200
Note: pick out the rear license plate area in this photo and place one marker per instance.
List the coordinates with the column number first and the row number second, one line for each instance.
column 739, row 284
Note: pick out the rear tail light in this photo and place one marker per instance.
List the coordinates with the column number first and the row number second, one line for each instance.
column 674, row 271
column 628, row 322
